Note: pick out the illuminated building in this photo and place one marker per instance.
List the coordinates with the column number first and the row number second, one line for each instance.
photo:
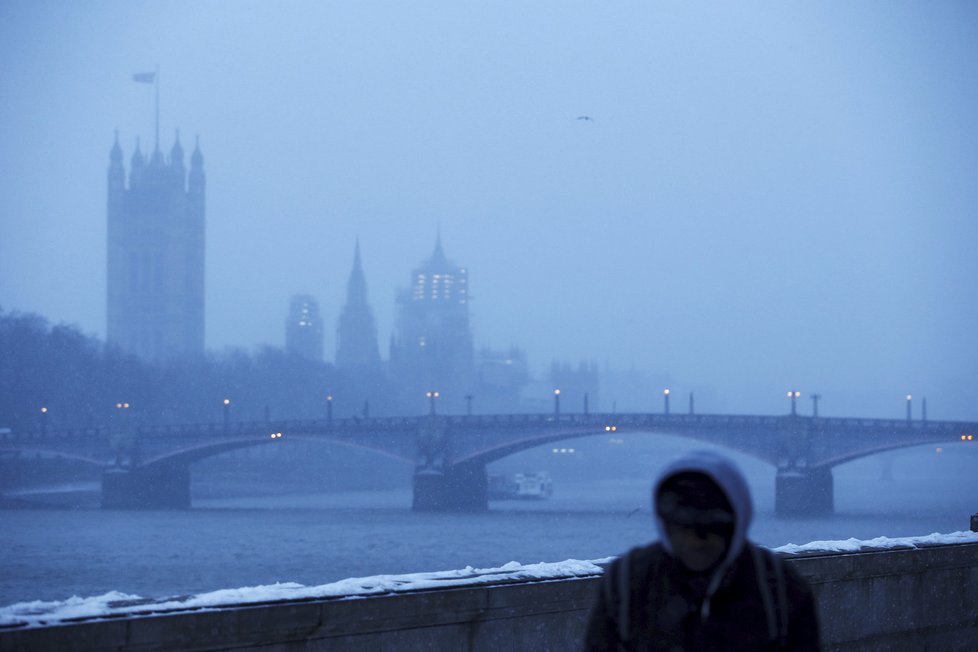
column 432, row 348
column 304, row 328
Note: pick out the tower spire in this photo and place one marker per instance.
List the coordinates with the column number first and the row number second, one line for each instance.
column 356, row 331
column 438, row 255
column 356, row 287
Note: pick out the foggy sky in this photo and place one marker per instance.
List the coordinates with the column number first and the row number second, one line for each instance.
column 769, row 196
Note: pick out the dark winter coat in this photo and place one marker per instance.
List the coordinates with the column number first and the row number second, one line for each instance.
column 751, row 601
column 664, row 606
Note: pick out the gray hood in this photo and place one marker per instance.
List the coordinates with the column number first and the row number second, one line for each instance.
column 730, row 480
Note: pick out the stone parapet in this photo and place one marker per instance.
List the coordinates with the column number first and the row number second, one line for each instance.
column 905, row 599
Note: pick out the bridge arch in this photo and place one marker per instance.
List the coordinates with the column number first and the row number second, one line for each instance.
column 187, row 456
column 494, row 452
column 60, row 454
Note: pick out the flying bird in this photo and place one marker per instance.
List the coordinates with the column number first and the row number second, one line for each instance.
column 585, row 117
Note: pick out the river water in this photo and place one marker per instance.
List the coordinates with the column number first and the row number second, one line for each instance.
column 318, row 537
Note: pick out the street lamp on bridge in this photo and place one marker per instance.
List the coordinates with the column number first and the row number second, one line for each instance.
column 432, row 395
column 556, row 402
column 793, row 395
column 329, row 408
column 665, row 398
column 815, row 399
column 909, row 407
column 44, row 420
column 227, row 413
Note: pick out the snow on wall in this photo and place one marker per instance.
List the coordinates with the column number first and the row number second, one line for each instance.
column 40, row 613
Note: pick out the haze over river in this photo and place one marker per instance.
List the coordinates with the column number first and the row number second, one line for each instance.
column 318, row 537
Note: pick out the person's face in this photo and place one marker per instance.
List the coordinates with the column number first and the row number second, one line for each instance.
column 697, row 548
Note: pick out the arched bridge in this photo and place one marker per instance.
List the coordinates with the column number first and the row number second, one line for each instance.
column 149, row 466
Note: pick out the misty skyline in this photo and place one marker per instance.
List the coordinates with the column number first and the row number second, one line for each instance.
column 768, row 197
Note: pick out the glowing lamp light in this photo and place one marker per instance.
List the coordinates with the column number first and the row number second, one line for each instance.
column 227, row 401
column 666, row 392
column 44, row 410
column 556, row 392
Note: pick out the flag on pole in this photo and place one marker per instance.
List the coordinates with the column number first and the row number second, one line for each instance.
column 144, row 77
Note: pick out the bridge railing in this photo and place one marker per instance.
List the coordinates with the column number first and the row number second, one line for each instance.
column 841, row 425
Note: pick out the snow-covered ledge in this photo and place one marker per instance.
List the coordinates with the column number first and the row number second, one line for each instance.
column 911, row 592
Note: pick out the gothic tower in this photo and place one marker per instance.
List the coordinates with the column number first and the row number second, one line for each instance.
column 433, row 350
column 356, row 332
column 155, row 267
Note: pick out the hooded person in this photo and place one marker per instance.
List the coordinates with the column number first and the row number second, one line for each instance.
column 703, row 585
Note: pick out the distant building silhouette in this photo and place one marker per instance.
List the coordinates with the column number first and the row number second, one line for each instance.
column 575, row 384
column 356, row 331
column 501, row 375
column 432, row 349
column 155, row 266
column 304, row 328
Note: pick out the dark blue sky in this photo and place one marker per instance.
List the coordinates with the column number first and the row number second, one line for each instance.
column 769, row 196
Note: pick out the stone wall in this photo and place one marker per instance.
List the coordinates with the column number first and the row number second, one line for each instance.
column 918, row 599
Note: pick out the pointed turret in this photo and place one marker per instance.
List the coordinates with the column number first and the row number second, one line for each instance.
column 116, row 177
column 117, row 174
column 136, row 165
column 177, row 171
column 115, row 156
column 176, row 152
column 197, row 159
column 137, row 156
column 197, row 172
column 156, row 158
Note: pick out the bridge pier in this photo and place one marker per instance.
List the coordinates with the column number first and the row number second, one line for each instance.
column 155, row 487
column 804, row 492
column 459, row 488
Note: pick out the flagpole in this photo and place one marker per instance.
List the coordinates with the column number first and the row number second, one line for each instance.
column 156, row 78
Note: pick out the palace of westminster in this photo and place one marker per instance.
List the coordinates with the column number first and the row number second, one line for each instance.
column 155, row 306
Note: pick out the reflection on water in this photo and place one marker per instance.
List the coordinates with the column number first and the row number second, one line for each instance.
column 316, row 537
